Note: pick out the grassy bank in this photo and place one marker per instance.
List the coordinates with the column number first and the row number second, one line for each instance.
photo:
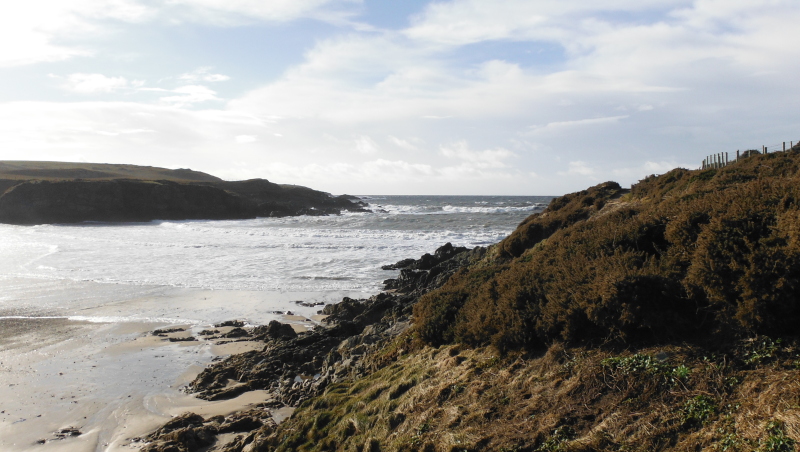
column 568, row 399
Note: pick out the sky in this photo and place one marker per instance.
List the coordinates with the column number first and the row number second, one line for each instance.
column 461, row 97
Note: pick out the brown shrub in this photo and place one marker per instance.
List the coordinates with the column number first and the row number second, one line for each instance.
column 689, row 255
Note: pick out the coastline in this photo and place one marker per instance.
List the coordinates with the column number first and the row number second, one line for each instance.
column 87, row 330
column 112, row 379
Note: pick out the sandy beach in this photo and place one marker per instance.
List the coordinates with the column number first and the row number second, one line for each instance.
column 100, row 370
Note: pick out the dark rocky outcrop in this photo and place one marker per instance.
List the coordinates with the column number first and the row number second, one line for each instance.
column 430, row 271
column 190, row 432
column 53, row 195
column 296, row 366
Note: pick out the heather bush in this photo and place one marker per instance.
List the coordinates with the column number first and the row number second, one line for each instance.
column 688, row 255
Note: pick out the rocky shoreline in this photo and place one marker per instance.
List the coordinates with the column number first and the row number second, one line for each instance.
column 294, row 367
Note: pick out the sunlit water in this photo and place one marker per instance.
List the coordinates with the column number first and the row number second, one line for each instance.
column 127, row 279
column 296, row 254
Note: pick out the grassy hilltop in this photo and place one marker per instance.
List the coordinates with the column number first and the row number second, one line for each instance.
column 664, row 317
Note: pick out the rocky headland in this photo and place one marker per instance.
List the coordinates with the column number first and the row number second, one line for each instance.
column 59, row 192
column 663, row 317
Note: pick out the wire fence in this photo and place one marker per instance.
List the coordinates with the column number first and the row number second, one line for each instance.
column 722, row 159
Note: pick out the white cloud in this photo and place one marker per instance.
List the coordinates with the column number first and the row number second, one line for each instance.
column 93, row 83
column 31, row 30
column 366, row 145
column 190, row 94
column 578, row 168
column 390, row 176
column 234, row 12
column 620, row 89
column 387, row 85
column 34, row 30
column 566, row 125
column 489, row 158
column 633, row 174
column 409, row 144
column 204, row 74
column 244, row 139
column 459, row 22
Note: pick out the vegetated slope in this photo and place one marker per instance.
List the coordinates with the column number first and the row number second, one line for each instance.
column 688, row 255
column 61, row 192
column 663, row 318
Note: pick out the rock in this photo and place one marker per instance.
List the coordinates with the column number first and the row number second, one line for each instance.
column 432, row 271
column 347, row 309
column 246, row 421
column 185, row 433
column 274, row 330
column 67, row 433
column 236, row 332
column 165, row 331
column 397, row 266
column 233, row 323
column 428, row 261
column 309, row 304
column 187, row 419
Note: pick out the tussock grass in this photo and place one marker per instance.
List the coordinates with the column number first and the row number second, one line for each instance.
column 566, row 399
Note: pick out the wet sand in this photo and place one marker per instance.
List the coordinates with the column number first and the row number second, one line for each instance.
column 115, row 381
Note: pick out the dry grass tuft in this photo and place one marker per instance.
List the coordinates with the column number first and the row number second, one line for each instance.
column 567, row 399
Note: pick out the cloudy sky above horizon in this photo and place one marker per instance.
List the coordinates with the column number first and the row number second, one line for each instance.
column 518, row 97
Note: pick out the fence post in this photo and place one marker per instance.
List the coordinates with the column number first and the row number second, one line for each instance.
column 737, row 155
column 784, row 146
column 727, row 160
column 763, row 149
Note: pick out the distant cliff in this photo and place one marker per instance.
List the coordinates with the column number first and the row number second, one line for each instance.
column 55, row 192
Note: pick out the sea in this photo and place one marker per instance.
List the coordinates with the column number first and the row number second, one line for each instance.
column 63, row 269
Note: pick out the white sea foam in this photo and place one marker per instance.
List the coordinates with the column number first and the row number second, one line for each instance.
column 449, row 209
column 101, row 319
column 293, row 254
